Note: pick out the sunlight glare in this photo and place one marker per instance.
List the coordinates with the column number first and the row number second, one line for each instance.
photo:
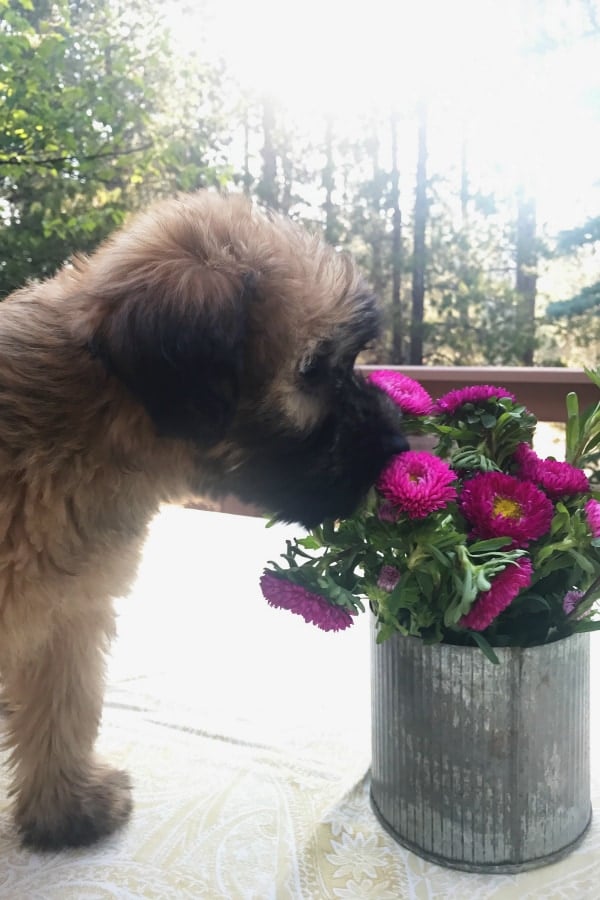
column 523, row 112
column 336, row 56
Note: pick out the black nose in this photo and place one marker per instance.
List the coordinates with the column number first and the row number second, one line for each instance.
column 395, row 443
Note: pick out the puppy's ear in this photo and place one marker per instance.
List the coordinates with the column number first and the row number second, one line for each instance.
column 178, row 346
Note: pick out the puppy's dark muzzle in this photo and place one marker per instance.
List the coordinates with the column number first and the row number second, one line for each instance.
column 369, row 427
column 394, row 444
column 347, row 453
column 324, row 473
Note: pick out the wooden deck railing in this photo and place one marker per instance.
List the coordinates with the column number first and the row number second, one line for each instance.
column 542, row 390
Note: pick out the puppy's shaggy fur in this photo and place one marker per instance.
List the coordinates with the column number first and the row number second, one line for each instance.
column 205, row 349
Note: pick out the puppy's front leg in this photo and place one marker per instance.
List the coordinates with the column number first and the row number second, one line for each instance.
column 63, row 796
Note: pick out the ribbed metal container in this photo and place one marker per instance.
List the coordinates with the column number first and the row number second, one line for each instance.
column 478, row 766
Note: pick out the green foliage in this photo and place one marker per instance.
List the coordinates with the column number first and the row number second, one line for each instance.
column 85, row 128
column 473, row 309
column 483, row 436
column 585, row 301
column 572, row 239
column 583, row 433
column 99, row 114
column 580, row 311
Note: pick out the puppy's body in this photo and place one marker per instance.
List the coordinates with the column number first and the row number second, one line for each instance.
column 205, row 349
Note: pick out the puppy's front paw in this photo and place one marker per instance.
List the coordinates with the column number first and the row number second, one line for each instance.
column 82, row 812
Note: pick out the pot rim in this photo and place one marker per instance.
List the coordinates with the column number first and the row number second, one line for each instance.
column 504, row 652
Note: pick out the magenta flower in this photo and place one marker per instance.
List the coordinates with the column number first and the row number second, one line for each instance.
column 527, row 461
column 561, row 478
column 417, row 483
column 505, row 587
column 498, row 505
column 284, row 594
column 389, row 577
column 556, row 478
column 592, row 512
column 408, row 394
column 571, row 601
column 476, row 393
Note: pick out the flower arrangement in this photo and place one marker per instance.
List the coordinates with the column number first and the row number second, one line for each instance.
column 478, row 541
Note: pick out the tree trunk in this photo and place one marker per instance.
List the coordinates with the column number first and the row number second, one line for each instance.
column 328, row 179
column 375, row 224
column 396, row 304
column 419, row 253
column 287, row 168
column 526, row 276
column 247, row 177
column 267, row 187
column 464, row 177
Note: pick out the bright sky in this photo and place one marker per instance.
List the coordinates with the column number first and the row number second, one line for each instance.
column 536, row 118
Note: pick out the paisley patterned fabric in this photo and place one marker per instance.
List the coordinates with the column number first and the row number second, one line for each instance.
column 247, row 736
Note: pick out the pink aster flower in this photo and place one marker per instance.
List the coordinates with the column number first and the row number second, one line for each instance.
column 571, row 601
column 556, row 478
column 592, row 512
column 561, row 478
column 284, row 594
column 498, row 505
column 476, row 393
column 527, row 461
column 389, row 576
column 504, row 588
column 408, row 394
column 417, row 483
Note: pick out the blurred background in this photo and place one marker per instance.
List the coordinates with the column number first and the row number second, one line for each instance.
column 454, row 148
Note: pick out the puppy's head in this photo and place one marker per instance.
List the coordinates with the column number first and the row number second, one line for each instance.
column 238, row 333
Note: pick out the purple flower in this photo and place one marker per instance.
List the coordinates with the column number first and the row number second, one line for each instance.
column 504, row 588
column 389, row 577
column 476, row 394
column 592, row 512
column 408, row 394
column 527, row 461
column 498, row 505
column 417, row 483
column 571, row 601
column 557, row 479
column 284, row 594
column 387, row 512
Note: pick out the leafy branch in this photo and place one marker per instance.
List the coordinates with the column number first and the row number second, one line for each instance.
column 53, row 161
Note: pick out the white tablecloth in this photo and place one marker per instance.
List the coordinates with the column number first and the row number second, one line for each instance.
column 247, row 735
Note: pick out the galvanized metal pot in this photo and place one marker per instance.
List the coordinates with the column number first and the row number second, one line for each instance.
column 479, row 766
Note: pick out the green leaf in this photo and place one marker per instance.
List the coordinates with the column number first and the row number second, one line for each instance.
column 582, row 561
column 593, row 375
column 485, row 647
column 310, row 542
column 488, row 545
column 583, row 625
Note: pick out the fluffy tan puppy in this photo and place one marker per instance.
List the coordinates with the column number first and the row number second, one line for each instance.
column 207, row 348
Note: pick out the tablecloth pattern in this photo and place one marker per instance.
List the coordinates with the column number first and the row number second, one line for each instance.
column 247, row 736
